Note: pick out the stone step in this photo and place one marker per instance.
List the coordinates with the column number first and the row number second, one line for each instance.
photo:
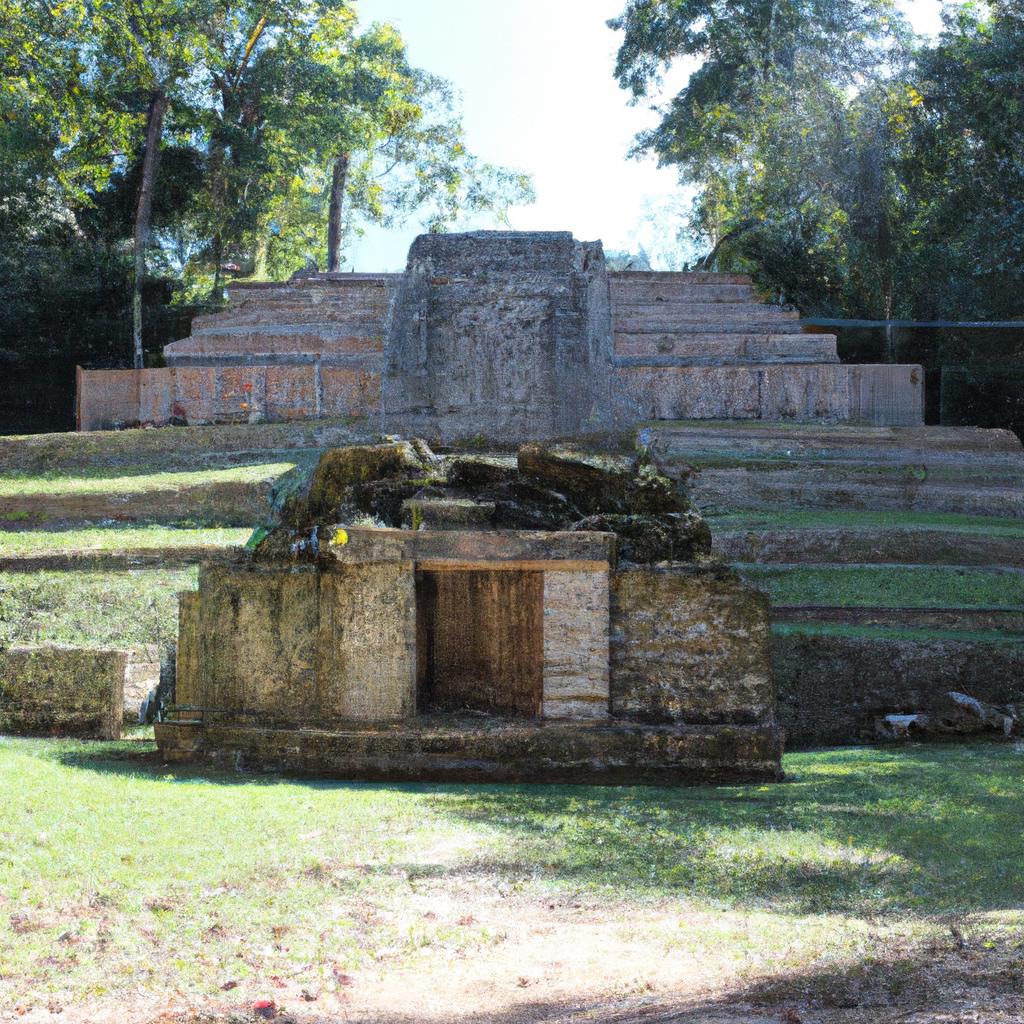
column 652, row 291
column 291, row 313
column 780, row 467
column 320, row 286
column 223, row 503
column 740, row 442
column 730, row 348
column 970, row 492
column 955, row 619
column 900, row 545
column 675, row 276
column 700, row 311
column 246, row 347
column 763, row 391
column 721, row 326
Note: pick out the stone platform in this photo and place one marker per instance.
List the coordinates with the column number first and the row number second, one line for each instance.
column 498, row 334
column 479, row 749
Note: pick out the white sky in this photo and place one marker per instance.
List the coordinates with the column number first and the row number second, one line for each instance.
column 538, row 94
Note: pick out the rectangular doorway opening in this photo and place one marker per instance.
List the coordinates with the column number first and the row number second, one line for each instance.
column 480, row 641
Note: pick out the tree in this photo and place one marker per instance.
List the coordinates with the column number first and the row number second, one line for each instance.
column 769, row 128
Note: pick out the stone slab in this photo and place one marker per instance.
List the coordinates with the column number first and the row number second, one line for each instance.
column 477, row 549
column 689, row 645
column 480, row 750
column 575, row 645
column 62, row 691
column 366, row 648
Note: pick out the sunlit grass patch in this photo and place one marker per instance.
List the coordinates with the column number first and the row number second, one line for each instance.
column 117, row 538
column 92, row 609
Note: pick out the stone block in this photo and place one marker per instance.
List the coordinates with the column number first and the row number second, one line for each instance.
column 886, row 395
column 195, row 391
column 366, row 667
column 258, row 637
column 500, row 334
column 62, row 691
column 689, row 644
column 188, row 678
column 575, row 645
column 349, row 392
column 291, row 393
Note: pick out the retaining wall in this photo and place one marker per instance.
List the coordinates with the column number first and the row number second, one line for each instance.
column 832, row 689
column 62, row 691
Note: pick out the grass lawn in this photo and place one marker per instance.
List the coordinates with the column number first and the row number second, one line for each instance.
column 129, row 883
column 92, row 609
column 833, row 519
column 887, row 586
column 116, row 538
column 103, row 481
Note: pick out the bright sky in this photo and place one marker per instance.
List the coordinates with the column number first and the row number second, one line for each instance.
column 538, row 94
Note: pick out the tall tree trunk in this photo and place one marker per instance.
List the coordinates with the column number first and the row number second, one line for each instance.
column 144, row 213
column 338, row 179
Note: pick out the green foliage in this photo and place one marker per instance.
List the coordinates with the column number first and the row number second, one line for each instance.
column 261, row 98
column 855, row 170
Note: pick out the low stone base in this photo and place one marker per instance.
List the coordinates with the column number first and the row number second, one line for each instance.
column 443, row 748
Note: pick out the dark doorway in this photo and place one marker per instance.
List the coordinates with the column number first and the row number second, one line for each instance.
column 480, row 641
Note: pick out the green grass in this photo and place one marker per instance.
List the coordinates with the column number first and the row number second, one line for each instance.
column 102, row 481
column 884, row 586
column 119, row 877
column 990, row 636
column 812, row 519
column 89, row 609
column 115, row 538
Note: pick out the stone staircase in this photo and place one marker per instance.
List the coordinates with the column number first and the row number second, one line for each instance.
column 704, row 346
column 330, row 318
column 894, row 558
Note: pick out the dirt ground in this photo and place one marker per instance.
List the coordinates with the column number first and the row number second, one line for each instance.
column 566, row 962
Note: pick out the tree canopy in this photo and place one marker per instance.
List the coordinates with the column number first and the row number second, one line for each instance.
column 854, row 168
column 190, row 139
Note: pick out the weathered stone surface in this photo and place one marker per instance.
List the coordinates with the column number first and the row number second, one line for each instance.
column 473, row 471
column 495, row 750
column 258, row 641
column 447, row 513
column 366, row 645
column 62, row 691
column 575, row 645
column 832, row 689
column 678, row 537
column 340, row 469
column 500, row 334
column 188, row 687
column 473, row 548
column 596, row 482
column 689, row 644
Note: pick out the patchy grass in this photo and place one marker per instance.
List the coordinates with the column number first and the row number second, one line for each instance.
column 116, row 538
column 826, row 519
column 121, row 879
column 923, row 633
column 887, row 586
column 90, row 609
column 102, row 481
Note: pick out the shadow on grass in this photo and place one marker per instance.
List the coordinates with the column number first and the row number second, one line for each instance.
column 922, row 830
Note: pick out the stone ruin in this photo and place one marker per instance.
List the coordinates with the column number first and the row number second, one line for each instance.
column 499, row 335
column 554, row 615
column 549, row 615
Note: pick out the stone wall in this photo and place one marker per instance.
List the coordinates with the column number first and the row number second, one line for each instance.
column 500, row 334
column 831, row 689
column 111, row 399
column 62, row 691
column 689, row 644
